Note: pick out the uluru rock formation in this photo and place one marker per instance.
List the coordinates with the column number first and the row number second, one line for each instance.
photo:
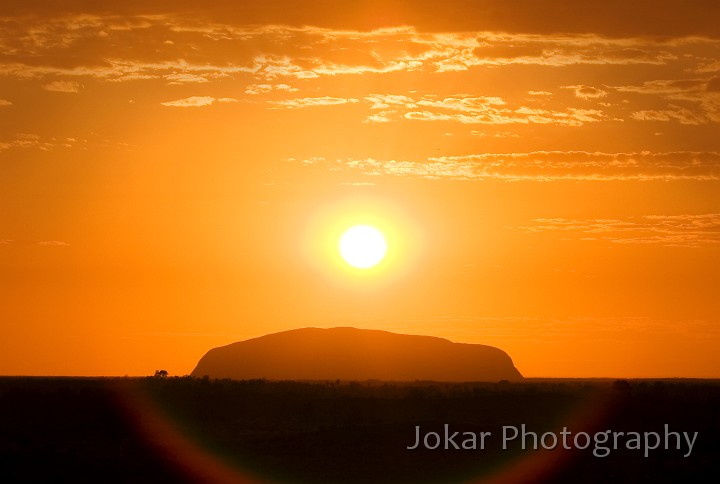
column 355, row 354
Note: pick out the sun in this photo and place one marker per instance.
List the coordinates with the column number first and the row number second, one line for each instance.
column 362, row 246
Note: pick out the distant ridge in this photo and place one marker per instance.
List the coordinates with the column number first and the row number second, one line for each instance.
column 355, row 354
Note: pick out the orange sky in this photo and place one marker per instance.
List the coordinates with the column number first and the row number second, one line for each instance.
column 173, row 177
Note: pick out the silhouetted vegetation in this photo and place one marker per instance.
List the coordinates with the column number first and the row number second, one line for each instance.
column 106, row 430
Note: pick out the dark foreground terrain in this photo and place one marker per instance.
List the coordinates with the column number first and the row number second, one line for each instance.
column 199, row 430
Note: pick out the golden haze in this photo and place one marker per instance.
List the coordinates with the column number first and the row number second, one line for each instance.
column 175, row 178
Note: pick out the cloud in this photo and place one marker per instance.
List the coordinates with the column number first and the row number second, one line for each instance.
column 668, row 230
column 58, row 25
column 193, row 49
column 66, row 52
column 444, row 52
column 44, row 243
column 184, row 78
column 666, row 86
column 586, row 92
column 689, row 101
column 35, row 141
column 314, row 101
column 5, row 102
column 676, row 113
column 255, row 89
column 543, row 166
column 381, row 117
column 559, row 50
column 62, row 86
column 123, row 70
column 384, row 101
column 197, row 101
column 468, row 109
column 708, row 66
column 496, row 134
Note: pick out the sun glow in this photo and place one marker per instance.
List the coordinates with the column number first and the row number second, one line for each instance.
column 362, row 246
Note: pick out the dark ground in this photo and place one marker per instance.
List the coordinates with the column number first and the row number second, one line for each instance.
column 194, row 430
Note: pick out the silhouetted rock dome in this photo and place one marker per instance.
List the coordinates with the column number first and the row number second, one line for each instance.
column 355, row 354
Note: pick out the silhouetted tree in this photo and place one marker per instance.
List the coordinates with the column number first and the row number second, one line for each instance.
column 161, row 373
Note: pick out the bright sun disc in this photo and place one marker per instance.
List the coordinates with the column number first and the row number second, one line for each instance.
column 362, row 246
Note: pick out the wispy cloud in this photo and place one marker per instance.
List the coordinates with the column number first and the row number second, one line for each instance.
column 314, row 101
column 62, row 86
column 586, row 92
column 113, row 69
column 496, row 134
column 385, row 101
column 544, row 166
column 255, row 89
column 53, row 243
column 5, row 102
column 469, row 109
column 674, row 113
column 667, row 86
column 31, row 140
column 377, row 118
column 667, row 230
column 185, row 78
column 689, row 101
column 43, row 243
column 267, row 59
column 307, row 52
column 197, row 101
